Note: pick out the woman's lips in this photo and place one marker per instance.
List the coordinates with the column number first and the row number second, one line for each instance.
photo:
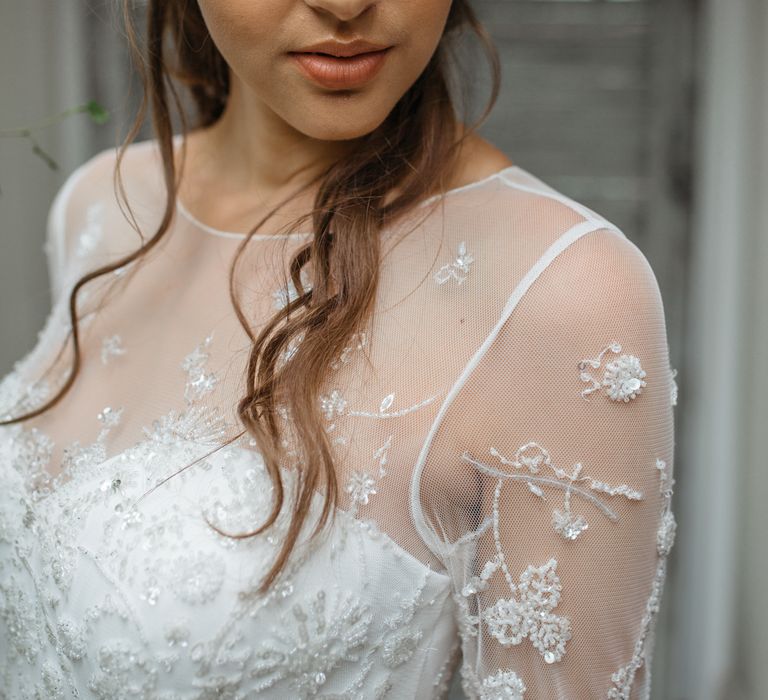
column 336, row 72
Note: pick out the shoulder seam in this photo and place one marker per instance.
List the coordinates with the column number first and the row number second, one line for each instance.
column 544, row 190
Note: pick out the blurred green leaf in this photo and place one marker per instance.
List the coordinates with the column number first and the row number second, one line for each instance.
column 96, row 112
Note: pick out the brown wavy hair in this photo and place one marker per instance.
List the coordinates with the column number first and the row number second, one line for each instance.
column 414, row 150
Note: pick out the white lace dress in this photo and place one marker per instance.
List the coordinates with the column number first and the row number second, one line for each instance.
column 503, row 431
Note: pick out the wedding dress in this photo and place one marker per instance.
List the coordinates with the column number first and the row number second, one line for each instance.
column 503, row 432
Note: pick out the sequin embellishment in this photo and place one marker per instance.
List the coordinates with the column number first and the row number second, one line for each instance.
column 528, row 612
column 623, row 377
column 503, row 685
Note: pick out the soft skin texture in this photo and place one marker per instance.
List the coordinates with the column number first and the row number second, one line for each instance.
column 280, row 128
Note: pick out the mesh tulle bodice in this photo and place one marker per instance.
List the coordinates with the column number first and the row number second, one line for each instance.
column 503, row 432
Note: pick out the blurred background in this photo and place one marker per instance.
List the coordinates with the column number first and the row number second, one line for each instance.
column 653, row 113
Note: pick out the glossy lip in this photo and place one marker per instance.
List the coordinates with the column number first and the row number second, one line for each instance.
column 340, row 48
column 338, row 73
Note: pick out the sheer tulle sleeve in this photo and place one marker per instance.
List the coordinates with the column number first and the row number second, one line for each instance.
column 555, row 448
column 79, row 232
column 55, row 239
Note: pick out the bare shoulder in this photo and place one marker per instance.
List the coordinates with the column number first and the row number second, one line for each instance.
column 478, row 159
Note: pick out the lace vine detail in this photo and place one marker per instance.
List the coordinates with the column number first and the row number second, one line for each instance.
column 334, row 404
column 623, row 377
column 530, row 458
column 361, row 484
column 458, row 269
column 623, row 679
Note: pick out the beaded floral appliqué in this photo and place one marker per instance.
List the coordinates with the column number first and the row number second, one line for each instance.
column 361, row 485
column 529, row 610
column 623, row 377
column 530, row 459
column 458, row 269
column 503, row 685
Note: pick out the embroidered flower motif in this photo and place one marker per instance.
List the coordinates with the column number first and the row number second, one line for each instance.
column 532, row 458
column 72, row 639
column 198, row 577
column 360, row 486
column 121, row 666
column 401, row 646
column 503, row 685
column 567, row 525
column 111, row 347
column 333, row 405
column 623, row 378
column 458, row 269
column 529, row 613
column 199, row 383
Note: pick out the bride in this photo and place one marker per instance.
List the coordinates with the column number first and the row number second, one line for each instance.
column 334, row 400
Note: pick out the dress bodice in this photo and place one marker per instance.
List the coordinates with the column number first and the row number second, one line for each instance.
column 502, row 431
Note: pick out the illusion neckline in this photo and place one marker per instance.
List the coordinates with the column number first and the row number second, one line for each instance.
column 182, row 209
